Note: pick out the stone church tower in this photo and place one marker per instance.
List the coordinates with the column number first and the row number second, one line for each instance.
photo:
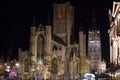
column 94, row 47
column 63, row 19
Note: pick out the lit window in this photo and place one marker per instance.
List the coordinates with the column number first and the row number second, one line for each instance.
column 61, row 28
column 40, row 49
column 61, row 12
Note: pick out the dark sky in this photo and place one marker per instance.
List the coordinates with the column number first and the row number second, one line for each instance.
column 16, row 17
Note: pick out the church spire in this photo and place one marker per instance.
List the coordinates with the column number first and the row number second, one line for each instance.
column 93, row 21
column 73, row 37
column 2, row 58
column 48, row 19
column 81, row 27
column 33, row 21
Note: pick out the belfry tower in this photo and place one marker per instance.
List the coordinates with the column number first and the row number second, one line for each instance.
column 94, row 46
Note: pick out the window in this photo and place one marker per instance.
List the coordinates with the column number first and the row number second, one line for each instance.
column 61, row 11
column 58, row 12
column 54, row 66
column 40, row 49
column 61, row 28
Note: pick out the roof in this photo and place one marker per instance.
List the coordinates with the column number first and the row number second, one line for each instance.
column 58, row 39
column 114, row 68
column 103, row 76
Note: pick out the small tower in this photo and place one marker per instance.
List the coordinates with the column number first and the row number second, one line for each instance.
column 1, row 61
column 94, row 46
column 48, row 37
column 32, row 39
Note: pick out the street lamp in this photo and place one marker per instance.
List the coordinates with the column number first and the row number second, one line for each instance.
column 17, row 66
column 113, row 76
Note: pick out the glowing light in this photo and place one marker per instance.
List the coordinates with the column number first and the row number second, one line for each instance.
column 12, row 73
column 0, row 65
column 88, row 74
column 118, row 16
column 5, row 64
column 33, row 69
column 115, row 38
column 7, row 68
column 98, row 31
column 40, row 61
column 113, row 75
column 17, row 64
column 92, row 41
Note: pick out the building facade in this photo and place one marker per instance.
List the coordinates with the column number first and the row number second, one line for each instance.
column 114, row 33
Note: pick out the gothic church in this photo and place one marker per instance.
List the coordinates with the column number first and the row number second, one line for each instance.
column 53, row 51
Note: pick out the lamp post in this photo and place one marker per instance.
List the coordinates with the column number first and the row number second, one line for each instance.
column 17, row 66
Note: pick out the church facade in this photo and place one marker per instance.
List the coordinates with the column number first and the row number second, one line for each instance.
column 114, row 34
column 53, row 50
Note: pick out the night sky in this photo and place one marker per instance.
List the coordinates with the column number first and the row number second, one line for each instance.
column 16, row 18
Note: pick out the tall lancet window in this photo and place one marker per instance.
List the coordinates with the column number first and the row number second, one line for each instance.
column 61, row 12
column 40, row 49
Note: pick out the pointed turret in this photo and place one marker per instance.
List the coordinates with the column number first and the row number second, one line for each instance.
column 8, row 58
column 48, row 19
column 10, row 52
column 81, row 27
column 48, row 29
column 32, row 34
column 33, row 24
column 93, row 22
column 33, row 27
column 2, row 58
column 73, row 34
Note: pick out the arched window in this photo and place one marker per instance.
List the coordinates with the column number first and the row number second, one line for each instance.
column 54, row 66
column 61, row 12
column 40, row 49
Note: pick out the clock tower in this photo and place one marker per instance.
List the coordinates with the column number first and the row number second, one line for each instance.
column 94, row 46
